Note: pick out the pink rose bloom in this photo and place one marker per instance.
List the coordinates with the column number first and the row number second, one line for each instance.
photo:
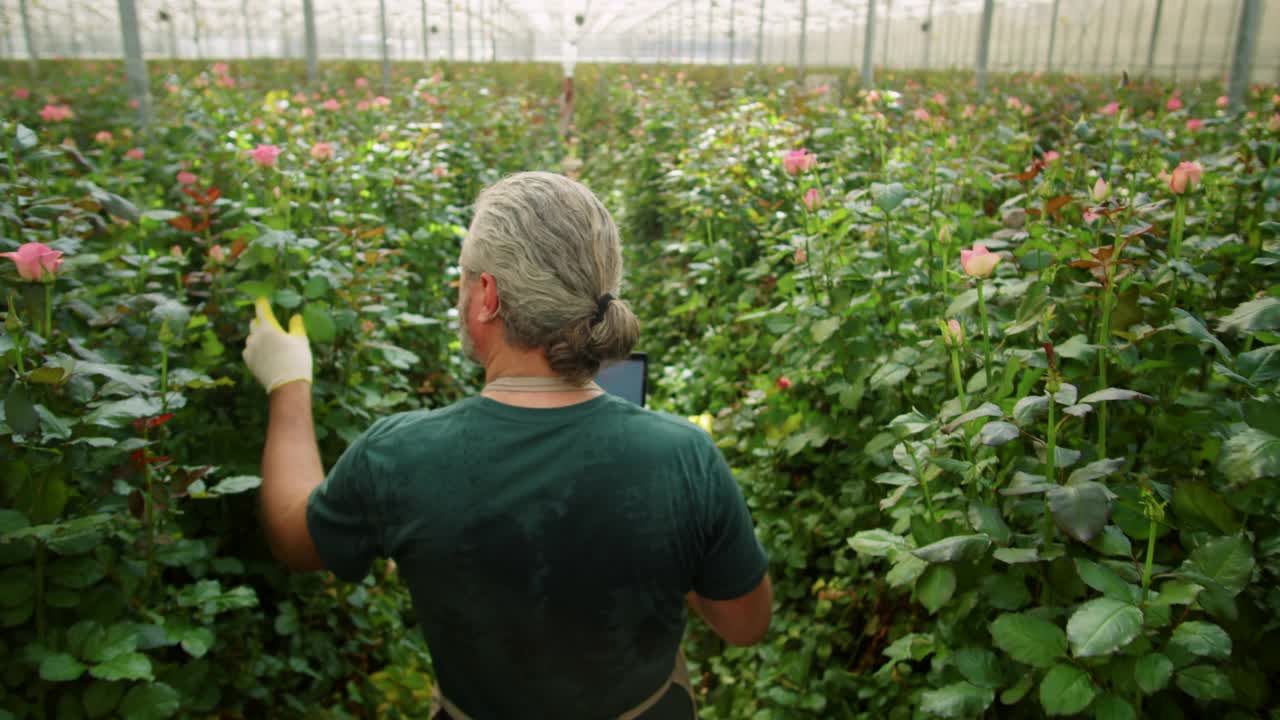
column 800, row 257
column 873, row 97
column 1052, row 156
column 103, row 137
column 331, row 105
column 1185, row 177
column 300, row 98
column 921, row 114
column 1110, row 108
column 22, row 93
column 186, row 178
column 812, row 200
column 322, row 151
column 307, row 112
column 1195, row 124
column 135, row 154
column 1223, row 101
column 35, row 261
column 265, row 155
column 362, row 83
column 940, row 99
column 171, row 88
column 968, row 111
column 381, row 101
column 951, row 141
column 1251, row 115
column 226, row 81
column 1013, row 103
column 1101, row 191
column 1174, row 104
column 430, row 99
column 1274, row 123
column 55, row 113
column 439, row 171
column 978, row 262
column 799, row 161
column 217, row 254
column 1091, row 217
column 220, row 68
column 342, row 92
column 362, row 105
column 783, row 383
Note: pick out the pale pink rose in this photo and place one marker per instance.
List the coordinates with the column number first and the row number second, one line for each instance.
column 217, row 254
column 300, row 98
column 812, row 200
column 680, row 76
column 220, row 68
column 55, row 113
column 1251, row 115
column 1195, row 124
column 1013, row 103
column 939, row 99
column 800, row 257
column 1101, row 191
column 1110, row 108
column 22, row 93
column 362, row 105
column 1174, row 104
column 265, row 155
column 873, row 97
column 171, row 88
column 322, row 151
column 135, row 154
column 35, row 261
column 1027, row 110
column 1185, row 177
column 176, row 251
column 342, row 92
column 978, row 262
column 440, row 171
column 362, row 83
column 331, row 105
column 951, row 141
column 954, row 334
column 103, row 137
column 382, row 101
column 1091, row 217
column 1052, row 156
column 921, row 114
column 307, row 112
column 226, row 81
column 969, row 111
column 1223, row 101
column 134, row 103
column 186, row 178
column 820, row 90
column 430, row 99
column 799, row 161
column 1274, row 123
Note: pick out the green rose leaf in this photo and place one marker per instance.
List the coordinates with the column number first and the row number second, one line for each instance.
column 1114, row 395
column 1080, row 510
column 1102, row 626
column 60, row 667
column 129, row 666
column 155, row 701
column 102, row 697
column 1202, row 638
column 1113, row 707
column 1250, row 455
column 1260, row 314
column 1104, row 580
column 959, row 700
column 1205, row 682
column 998, row 432
column 19, row 411
column 1029, row 639
column 1066, row 690
column 979, row 666
column 889, row 196
column 877, row 543
column 1225, row 561
column 319, row 323
column 935, row 587
column 959, row 548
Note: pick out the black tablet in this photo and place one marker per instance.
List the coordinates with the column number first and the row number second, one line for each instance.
column 628, row 379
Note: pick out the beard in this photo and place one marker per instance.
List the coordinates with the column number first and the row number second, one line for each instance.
column 464, row 337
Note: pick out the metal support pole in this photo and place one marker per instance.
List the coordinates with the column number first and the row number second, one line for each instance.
column 928, row 34
column 868, row 42
column 426, row 47
column 1204, row 32
column 471, row 45
column 1053, row 36
column 711, row 15
column 386, row 57
column 248, row 28
column 33, row 58
column 1228, row 49
column 1246, row 44
column 453, row 11
column 1137, row 47
column 1177, row 48
column 4, row 25
column 309, row 27
column 73, row 27
column 195, row 27
column 135, row 66
column 984, row 44
column 826, row 42
column 804, row 37
column 888, row 27
column 759, row 37
column 1155, row 38
column 733, row 33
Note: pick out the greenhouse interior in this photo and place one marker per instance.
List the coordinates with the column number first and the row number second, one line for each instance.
column 784, row 359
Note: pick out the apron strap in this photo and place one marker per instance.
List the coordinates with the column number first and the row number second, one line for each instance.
column 679, row 676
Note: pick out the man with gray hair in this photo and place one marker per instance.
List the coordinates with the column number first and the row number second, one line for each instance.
column 550, row 534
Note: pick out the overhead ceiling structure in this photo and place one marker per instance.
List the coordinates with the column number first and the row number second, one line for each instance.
column 1171, row 38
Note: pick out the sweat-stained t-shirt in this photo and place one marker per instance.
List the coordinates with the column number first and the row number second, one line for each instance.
column 547, row 551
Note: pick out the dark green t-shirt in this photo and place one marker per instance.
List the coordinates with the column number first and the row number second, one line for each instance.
column 547, row 551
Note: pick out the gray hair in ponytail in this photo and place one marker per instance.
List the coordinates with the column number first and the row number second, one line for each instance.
column 554, row 252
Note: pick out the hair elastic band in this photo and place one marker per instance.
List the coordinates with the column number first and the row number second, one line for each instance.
column 602, row 305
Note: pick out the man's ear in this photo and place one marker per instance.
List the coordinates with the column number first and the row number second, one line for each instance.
column 489, row 286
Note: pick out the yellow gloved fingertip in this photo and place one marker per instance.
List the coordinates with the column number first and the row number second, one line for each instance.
column 265, row 314
column 296, row 326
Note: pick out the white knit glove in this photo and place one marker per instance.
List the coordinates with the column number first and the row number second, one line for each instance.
column 276, row 357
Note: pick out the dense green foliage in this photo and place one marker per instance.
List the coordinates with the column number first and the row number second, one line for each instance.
column 1071, row 508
